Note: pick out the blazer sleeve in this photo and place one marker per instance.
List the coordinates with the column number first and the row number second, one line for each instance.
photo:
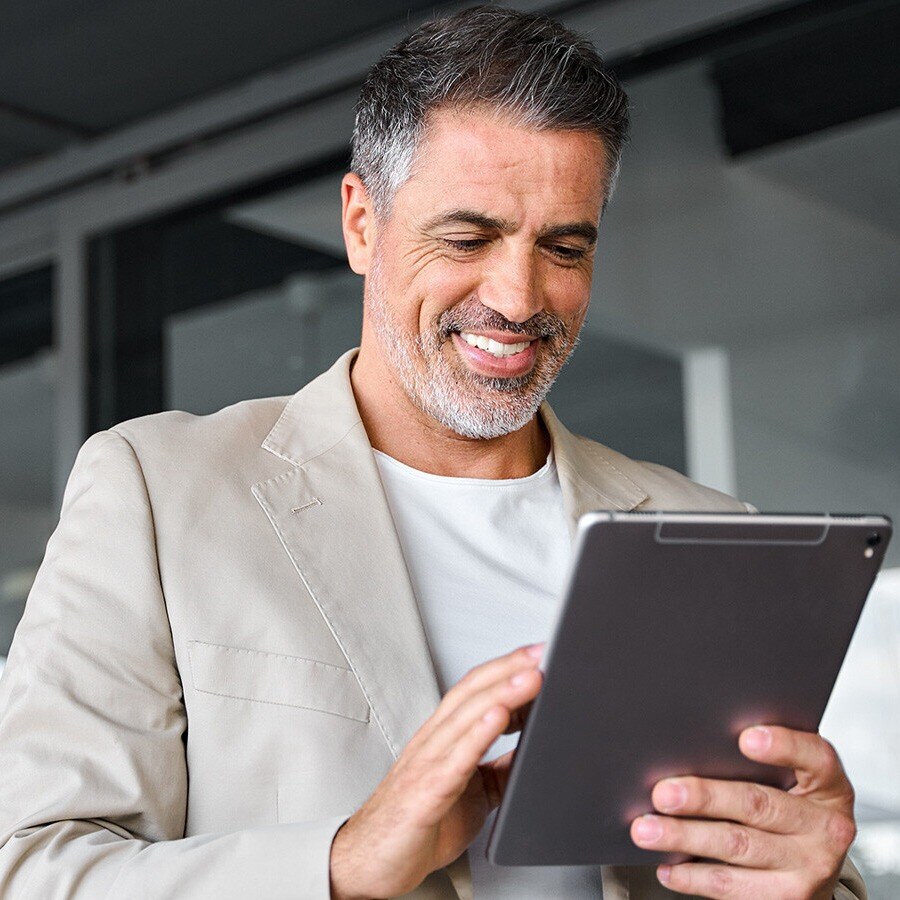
column 93, row 776
column 851, row 886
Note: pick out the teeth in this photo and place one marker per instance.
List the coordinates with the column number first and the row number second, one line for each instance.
column 495, row 348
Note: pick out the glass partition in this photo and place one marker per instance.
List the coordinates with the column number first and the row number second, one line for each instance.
column 27, row 380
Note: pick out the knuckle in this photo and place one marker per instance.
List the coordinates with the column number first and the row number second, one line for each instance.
column 698, row 796
column 841, row 831
column 504, row 717
column 453, row 696
column 721, row 880
column 758, row 805
column 831, row 762
column 737, row 842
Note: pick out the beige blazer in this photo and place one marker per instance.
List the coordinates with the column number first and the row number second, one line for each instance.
column 222, row 655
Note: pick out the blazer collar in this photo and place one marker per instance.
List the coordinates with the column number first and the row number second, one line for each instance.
column 318, row 416
column 591, row 475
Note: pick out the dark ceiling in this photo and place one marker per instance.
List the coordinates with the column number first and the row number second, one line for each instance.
column 73, row 69
column 841, row 66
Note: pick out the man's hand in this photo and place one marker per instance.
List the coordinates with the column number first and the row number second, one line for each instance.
column 434, row 800
column 762, row 842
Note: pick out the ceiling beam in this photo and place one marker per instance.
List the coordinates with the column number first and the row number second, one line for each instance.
column 42, row 120
column 624, row 22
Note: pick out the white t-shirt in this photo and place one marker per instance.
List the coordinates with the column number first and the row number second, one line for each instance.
column 487, row 559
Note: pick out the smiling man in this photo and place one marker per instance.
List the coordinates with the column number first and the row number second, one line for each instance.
column 283, row 650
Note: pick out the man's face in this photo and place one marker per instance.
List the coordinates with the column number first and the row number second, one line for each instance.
column 479, row 278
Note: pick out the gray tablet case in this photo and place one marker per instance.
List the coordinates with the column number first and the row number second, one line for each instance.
column 678, row 630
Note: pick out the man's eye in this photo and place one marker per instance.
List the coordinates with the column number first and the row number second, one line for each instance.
column 568, row 254
column 465, row 245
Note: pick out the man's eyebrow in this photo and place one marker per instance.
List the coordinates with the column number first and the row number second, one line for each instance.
column 469, row 217
column 585, row 230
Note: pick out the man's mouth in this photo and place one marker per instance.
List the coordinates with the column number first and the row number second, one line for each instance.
column 498, row 349
column 494, row 355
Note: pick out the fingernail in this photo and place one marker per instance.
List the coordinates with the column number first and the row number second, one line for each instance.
column 758, row 739
column 648, row 829
column 536, row 650
column 664, row 874
column 670, row 795
column 519, row 679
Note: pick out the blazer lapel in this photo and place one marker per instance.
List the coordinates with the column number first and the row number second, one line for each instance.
column 330, row 513
column 591, row 476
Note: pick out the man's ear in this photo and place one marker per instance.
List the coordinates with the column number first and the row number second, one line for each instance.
column 358, row 221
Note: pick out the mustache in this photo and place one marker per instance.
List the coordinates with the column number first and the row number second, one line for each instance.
column 470, row 315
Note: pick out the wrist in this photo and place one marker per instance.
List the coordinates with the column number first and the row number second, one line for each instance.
column 339, row 869
column 350, row 866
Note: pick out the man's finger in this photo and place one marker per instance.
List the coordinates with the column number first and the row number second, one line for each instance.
column 454, row 750
column 727, row 842
column 724, row 882
column 754, row 805
column 813, row 759
column 482, row 676
column 440, row 781
column 508, row 693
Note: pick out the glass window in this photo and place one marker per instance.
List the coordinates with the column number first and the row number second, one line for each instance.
column 27, row 509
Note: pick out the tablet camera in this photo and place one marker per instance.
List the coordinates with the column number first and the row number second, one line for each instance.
column 872, row 541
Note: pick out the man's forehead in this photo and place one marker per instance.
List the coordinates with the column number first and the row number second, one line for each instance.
column 482, row 161
column 456, row 135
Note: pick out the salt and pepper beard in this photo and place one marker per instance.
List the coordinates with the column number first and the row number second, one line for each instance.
column 443, row 387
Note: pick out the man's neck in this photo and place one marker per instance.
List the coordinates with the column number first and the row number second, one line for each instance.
column 397, row 427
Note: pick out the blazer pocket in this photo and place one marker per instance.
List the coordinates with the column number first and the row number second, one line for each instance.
column 275, row 678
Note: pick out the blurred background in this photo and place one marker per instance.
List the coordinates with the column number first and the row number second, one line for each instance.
column 170, row 238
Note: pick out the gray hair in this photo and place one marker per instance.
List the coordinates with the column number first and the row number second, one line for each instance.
column 531, row 68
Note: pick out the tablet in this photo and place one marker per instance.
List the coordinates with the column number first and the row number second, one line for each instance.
column 677, row 631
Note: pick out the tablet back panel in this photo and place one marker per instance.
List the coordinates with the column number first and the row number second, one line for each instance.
column 678, row 631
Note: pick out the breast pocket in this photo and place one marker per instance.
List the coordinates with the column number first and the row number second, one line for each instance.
column 275, row 678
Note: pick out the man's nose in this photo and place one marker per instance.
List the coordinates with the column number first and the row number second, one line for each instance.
column 510, row 287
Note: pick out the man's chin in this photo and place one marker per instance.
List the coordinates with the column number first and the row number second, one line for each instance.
column 484, row 416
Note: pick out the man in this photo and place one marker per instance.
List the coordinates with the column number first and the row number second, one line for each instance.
column 229, row 676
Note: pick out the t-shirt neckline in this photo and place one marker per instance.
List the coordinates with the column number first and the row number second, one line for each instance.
column 403, row 469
